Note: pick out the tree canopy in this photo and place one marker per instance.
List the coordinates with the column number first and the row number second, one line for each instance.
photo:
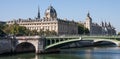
column 15, row 29
column 82, row 29
column 2, row 33
column 118, row 33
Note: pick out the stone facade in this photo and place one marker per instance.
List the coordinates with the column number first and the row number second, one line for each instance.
column 60, row 26
column 49, row 22
column 96, row 29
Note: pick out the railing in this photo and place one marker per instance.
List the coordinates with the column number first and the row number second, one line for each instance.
column 66, row 36
column 27, row 37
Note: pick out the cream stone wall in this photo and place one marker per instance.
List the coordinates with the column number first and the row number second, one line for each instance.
column 58, row 25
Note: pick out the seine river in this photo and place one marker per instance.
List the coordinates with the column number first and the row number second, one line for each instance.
column 77, row 53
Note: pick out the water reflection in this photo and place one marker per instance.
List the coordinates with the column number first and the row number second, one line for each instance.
column 19, row 56
column 81, row 53
column 57, row 56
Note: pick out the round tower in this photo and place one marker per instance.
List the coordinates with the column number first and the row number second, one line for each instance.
column 88, row 22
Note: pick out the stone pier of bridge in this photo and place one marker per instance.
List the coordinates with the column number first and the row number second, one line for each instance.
column 43, row 44
column 17, row 44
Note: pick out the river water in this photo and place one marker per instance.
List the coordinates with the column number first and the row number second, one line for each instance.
column 76, row 53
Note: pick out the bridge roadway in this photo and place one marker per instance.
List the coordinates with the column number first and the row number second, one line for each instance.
column 48, row 44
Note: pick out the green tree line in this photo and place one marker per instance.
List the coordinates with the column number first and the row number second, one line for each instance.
column 15, row 29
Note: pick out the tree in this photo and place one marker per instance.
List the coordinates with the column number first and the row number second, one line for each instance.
column 41, row 32
column 2, row 33
column 28, row 32
column 82, row 29
column 7, row 29
column 1, row 26
column 118, row 33
column 15, row 29
column 23, row 30
column 53, row 32
column 47, row 32
column 34, row 32
column 86, row 31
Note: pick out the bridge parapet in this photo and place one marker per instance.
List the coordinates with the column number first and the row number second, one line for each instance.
column 103, row 40
column 102, row 37
column 28, row 37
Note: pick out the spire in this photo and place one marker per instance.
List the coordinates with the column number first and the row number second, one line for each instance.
column 102, row 24
column 106, row 24
column 38, row 13
column 50, row 2
column 88, row 15
column 109, row 24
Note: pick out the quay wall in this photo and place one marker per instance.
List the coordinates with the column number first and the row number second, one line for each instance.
column 5, row 46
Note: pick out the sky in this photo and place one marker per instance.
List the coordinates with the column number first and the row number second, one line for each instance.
column 100, row 10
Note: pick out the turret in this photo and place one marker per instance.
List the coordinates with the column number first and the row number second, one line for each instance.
column 102, row 24
column 88, row 22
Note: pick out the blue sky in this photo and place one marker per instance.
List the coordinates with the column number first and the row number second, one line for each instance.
column 100, row 10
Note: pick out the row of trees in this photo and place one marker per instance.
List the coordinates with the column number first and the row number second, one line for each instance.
column 15, row 29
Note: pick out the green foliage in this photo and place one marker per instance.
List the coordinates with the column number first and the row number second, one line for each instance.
column 53, row 32
column 86, row 31
column 41, row 32
column 82, row 29
column 2, row 33
column 1, row 26
column 118, row 33
column 47, row 32
column 34, row 32
column 15, row 29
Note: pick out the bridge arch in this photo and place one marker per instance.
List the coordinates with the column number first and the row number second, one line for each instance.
column 61, row 43
column 106, row 41
column 25, row 47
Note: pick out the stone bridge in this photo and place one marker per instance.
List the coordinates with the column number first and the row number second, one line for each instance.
column 47, row 44
column 40, row 44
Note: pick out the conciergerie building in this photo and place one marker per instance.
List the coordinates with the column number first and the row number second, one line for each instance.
column 50, row 22
column 63, row 26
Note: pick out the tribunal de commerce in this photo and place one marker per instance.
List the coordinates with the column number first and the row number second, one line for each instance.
column 63, row 26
